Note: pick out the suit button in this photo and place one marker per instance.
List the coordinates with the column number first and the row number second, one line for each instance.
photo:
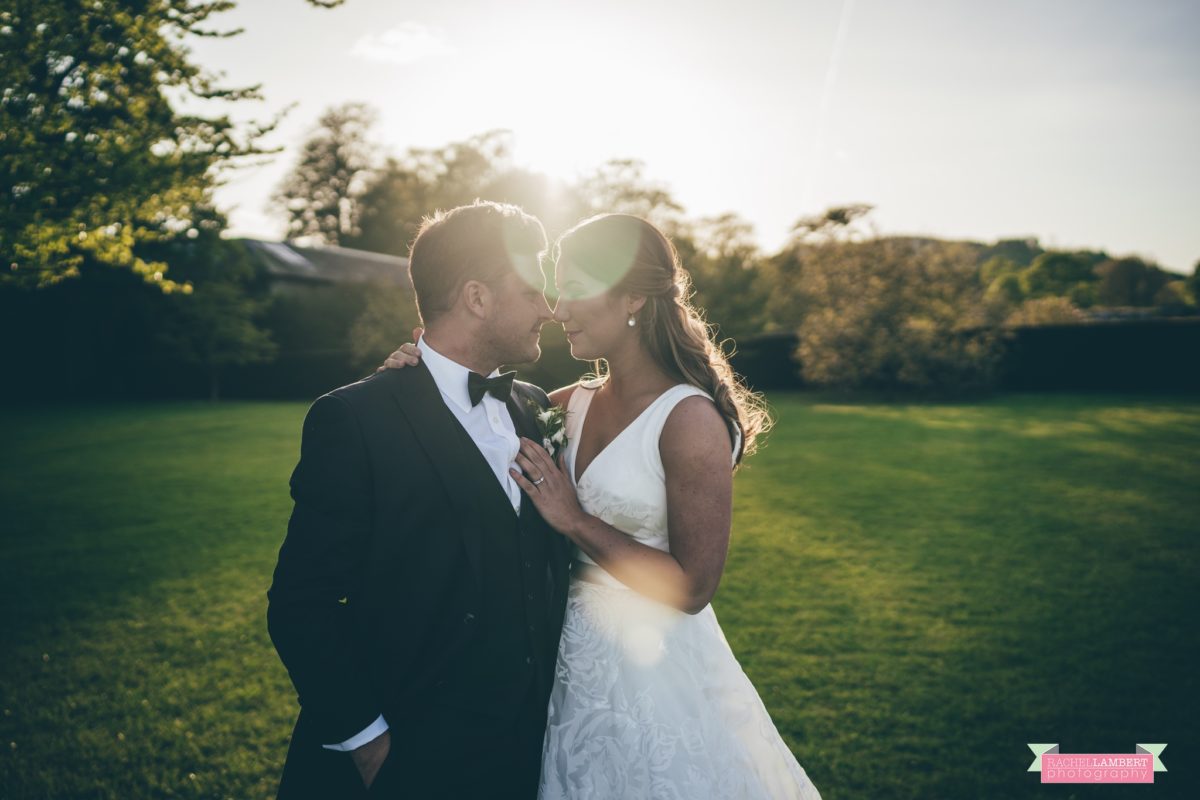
column 468, row 618
column 530, row 596
column 528, row 565
column 528, row 659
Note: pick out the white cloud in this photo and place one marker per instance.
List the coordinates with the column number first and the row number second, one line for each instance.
column 403, row 44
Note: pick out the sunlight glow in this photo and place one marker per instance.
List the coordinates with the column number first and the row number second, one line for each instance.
column 575, row 113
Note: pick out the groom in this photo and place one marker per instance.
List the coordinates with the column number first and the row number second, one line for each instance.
column 418, row 598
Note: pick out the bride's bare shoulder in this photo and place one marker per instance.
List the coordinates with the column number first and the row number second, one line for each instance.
column 695, row 433
column 560, row 397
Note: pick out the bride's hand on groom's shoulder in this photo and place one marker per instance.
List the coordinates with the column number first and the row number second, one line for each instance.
column 407, row 355
column 547, row 483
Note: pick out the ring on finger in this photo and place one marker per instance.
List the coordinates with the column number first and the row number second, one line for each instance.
column 540, row 481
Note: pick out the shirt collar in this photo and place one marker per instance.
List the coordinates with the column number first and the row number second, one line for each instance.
column 449, row 375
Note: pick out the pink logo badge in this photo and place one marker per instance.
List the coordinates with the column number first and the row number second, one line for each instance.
column 1136, row 767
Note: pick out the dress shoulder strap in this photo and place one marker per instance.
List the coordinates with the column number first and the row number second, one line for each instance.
column 577, row 405
column 656, row 419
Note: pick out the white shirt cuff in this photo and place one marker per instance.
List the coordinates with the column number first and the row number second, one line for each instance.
column 369, row 734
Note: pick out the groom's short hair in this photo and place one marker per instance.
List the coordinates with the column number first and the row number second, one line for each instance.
column 475, row 242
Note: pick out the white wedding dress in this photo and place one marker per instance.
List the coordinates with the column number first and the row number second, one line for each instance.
column 648, row 701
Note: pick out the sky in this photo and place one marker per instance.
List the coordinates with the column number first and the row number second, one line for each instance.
column 1072, row 121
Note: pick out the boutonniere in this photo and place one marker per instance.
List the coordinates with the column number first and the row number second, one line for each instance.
column 552, row 425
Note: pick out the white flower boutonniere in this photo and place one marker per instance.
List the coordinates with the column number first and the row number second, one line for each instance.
column 552, row 425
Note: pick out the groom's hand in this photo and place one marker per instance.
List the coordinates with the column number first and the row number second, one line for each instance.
column 370, row 757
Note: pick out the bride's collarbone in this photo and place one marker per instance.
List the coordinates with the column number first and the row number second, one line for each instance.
column 606, row 419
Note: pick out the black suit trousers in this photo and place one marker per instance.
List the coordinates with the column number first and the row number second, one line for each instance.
column 438, row 754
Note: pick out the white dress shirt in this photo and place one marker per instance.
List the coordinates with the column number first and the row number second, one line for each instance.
column 491, row 428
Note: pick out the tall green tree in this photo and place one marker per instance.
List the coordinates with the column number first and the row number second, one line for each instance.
column 1061, row 274
column 894, row 314
column 95, row 153
column 217, row 322
column 212, row 328
column 407, row 188
column 321, row 195
column 1129, row 281
column 786, row 303
column 727, row 274
column 1021, row 252
column 1001, row 276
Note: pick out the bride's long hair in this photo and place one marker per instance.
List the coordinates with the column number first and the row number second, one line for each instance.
column 639, row 259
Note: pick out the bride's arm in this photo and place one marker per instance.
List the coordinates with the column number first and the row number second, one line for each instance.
column 695, row 451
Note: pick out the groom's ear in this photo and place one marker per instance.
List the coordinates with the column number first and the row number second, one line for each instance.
column 478, row 298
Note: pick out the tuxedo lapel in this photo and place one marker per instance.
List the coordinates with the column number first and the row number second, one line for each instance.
column 449, row 449
column 522, row 417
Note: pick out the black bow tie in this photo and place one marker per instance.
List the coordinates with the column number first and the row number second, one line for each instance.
column 499, row 387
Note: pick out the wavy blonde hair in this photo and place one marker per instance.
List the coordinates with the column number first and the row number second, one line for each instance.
column 635, row 257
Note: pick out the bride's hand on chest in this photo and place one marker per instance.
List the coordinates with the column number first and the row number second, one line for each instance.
column 549, row 486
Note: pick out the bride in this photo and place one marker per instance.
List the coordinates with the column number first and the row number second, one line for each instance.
column 648, row 700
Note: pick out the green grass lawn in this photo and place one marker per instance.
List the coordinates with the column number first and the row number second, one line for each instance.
column 917, row 591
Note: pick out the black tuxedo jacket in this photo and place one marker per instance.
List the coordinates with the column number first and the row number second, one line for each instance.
column 380, row 588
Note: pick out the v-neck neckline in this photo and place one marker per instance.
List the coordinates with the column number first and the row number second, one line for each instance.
column 620, row 433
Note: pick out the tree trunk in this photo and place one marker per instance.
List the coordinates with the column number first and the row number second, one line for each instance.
column 214, row 384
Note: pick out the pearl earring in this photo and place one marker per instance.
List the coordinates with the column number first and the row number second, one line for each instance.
column 632, row 322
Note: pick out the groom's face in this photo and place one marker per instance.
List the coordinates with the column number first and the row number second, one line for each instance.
column 520, row 311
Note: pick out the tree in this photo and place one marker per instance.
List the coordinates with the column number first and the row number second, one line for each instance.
column 94, row 154
column 1000, row 276
column 216, row 323
column 406, row 189
column 996, row 267
column 786, row 304
column 896, row 314
column 1020, row 252
column 620, row 186
column 726, row 270
column 1046, row 311
column 321, row 194
column 214, row 328
column 555, row 203
column 386, row 322
column 837, row 222
column 1005, row 289
column 1129, row 281
column 1173, row 296
column 1057, row 273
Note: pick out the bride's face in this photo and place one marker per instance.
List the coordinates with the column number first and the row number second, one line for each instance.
column 594, row 319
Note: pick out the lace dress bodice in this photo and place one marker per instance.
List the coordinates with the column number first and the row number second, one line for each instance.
column 625, row 484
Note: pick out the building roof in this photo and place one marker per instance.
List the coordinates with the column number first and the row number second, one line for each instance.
column 287, row 261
